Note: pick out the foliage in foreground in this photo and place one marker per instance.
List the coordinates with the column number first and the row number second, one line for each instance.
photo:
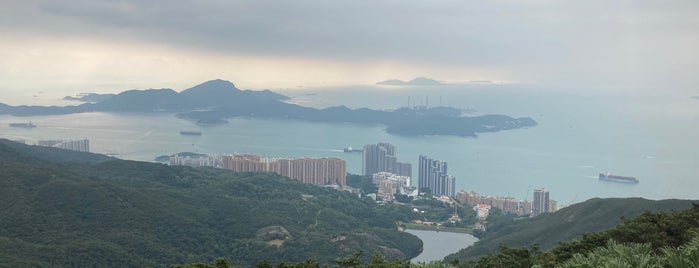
column 666, row 239
column 355, row 260
column 613, row 254
column 548, row 230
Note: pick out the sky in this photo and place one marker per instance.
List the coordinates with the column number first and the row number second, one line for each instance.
column 110, row 46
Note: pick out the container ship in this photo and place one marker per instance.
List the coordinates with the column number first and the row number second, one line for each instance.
column 615, row 178
column 190, row 133
column 23, row 125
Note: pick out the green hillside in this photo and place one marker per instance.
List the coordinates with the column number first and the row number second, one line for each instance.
column 97, row 212
column 650, row 240
column 572, row 222
column 660, row 239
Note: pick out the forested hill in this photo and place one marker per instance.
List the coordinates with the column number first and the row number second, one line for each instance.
column 548, row 230
column 95, row 211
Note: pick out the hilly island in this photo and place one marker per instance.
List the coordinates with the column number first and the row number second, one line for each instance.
column 214, row 101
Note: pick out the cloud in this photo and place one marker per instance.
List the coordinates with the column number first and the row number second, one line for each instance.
column 594, row 42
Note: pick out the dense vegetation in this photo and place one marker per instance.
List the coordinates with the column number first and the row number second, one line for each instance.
column 569, row 223
column 88, row 210
column 355, row 260
column 650, row 240
column 363, row 183
column 666, row 239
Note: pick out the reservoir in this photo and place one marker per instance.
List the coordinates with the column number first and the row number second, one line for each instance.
column 437, row 245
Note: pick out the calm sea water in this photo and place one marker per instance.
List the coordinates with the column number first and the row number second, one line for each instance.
column 651, row 137
column 437, row 245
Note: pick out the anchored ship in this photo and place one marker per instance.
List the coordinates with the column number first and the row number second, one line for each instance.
column 23, row 125
column 616, row 178
column 191, row 133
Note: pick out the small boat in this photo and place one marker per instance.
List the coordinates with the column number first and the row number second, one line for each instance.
column 190, row 133
column 351, row 150
column 23, row 125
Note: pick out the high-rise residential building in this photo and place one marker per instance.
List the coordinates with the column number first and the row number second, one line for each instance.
column 404, row 169
column 525, row 208
column 244, row 163
column 553, row 205
column 469, row 198
column 381, row 157
column 433, row 175
column 540, row 204
column 320, row 171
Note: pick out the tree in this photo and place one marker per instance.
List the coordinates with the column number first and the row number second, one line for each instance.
column 615, row 255
column 403, row 198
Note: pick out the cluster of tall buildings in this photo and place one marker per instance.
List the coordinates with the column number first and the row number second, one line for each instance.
column 81, row 145
column 378, row 161
column 319, row 171
column 381, row 157
column 540, row 204
column 390, row 176
column 433, row 174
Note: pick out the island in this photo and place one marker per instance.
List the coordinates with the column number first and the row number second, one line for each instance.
column 214, row 101
column 89, row 97
column 419, row 81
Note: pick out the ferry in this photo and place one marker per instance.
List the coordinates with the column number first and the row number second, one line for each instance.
column 352, row 150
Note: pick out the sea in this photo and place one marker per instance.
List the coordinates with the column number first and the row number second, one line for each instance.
column 650, row 135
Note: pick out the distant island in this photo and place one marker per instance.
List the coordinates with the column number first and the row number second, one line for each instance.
column 420, row 81
column 89, row 97
column 214, row 101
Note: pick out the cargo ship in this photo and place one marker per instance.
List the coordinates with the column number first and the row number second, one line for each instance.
column 615, row 178
column 23, row 125
column 190, row 133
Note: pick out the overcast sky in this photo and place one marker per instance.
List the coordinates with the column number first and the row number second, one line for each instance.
column 573, row 45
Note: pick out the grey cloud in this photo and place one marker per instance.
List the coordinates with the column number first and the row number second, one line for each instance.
column 574, row 36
